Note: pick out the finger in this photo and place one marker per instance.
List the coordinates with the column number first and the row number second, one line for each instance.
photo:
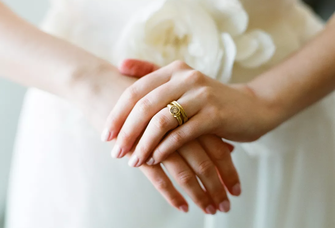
column 197, row 125
column 132, row 95
column 230, row 147
column 186, row 178
column 164, row 186
column 158, row 127
column 137, row 68
column 143, row 111
column 221, row 156
column 205, row 169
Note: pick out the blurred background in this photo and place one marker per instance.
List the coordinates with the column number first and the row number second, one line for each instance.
column 11, row 95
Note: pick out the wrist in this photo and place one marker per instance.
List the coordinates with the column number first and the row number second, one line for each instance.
column 272, row 109
column 84, row 79
column 94, row 87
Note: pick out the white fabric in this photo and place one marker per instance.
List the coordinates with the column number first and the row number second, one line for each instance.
column 64, row 177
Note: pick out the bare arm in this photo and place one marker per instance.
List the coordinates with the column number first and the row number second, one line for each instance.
column 242, row 112
column 304, row 78
column 34, row 58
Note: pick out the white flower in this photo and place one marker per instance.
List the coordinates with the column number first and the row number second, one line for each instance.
column 169, row 30
column 229, row 15
column 254, row 49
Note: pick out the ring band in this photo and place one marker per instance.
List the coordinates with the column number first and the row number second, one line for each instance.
column 177, row 111
column 183, row 113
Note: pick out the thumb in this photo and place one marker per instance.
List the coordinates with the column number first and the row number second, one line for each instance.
column 137, row 68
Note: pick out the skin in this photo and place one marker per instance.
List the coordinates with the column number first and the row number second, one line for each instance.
column 238, row 112
column 33, row 58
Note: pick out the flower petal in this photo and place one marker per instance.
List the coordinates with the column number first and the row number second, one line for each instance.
column 229, row 14
column 265, row 51
column 166, row 31
column 229, row 57
column 246, row 46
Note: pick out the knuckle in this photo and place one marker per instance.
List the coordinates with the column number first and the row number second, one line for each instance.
column 125, row 137
column 207, row 93
column 177, row 137
column 132, row 93
column 142, row 151
column 219, row 154
column 205, row 168
column 144, row 105
column 185, row 177
column 159, row 155
column 195, row 77
column 179, row 64
column 161, row 184
column 161, row 122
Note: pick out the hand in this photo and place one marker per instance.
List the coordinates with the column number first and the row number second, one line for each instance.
column 228, row 111
column 97, row 91
column 211, row 154
column 212, row 164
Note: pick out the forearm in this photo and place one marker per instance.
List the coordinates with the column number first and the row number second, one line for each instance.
column 34, row 58
column 301, row 80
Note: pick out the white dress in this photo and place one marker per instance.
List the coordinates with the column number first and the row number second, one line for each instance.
column 63, row 176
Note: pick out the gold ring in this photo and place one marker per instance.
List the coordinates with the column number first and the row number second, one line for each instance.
column 177, row 111
column 183, row 113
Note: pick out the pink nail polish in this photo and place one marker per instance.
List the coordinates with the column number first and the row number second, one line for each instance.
column 151, row 161
column 211, row 210
column 133, row 161
column 105, row 135
column 224, row 206
column 184, row 208
column 236, row 190
column 116, row 152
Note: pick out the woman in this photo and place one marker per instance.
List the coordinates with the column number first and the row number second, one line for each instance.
column 54, row 186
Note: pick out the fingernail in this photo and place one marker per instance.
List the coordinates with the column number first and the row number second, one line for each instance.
column 184, row 208
column 151, row 161
column 236, row 190
column 116, row 151
column 133, row 161
column 105, row 135
column 224, row 206
column 211, row 210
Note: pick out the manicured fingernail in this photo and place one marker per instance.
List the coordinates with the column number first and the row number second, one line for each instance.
column 224, row 206
column 184, row 208
column 105, row 135
column 116, row 151
column 236, row 190
column 151, row 161
column 133, row 161
column 211, row 210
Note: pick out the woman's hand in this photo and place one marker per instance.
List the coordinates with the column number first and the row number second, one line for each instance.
column 90, row 83
column 211, row 163
column 207, row 158
column 98, row 90
column 231, row 112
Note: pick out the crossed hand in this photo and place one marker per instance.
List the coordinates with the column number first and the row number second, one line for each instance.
column 185, row 136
